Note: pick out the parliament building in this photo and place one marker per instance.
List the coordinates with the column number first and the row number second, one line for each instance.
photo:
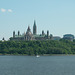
column 31, row 36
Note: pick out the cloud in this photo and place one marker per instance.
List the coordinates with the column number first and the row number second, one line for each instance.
column 9, row 10
column 3, row 10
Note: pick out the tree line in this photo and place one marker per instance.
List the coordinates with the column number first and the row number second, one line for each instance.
column 37, row 47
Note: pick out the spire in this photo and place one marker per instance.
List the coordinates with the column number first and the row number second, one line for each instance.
column 28, row 28
column 34, row 28
column 34, row 23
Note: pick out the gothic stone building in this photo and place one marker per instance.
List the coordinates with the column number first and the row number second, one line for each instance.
column 31, row 36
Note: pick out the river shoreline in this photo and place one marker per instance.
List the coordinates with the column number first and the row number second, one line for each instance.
column 35, row 55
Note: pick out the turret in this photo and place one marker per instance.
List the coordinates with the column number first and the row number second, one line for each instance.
column 51, row 36
column 3, row 39
column 47, row 34
column 34, row 28
column 42, row 32
column 18, row 33
column 13, row 34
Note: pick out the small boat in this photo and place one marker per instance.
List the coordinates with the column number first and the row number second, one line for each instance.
column 37, row 56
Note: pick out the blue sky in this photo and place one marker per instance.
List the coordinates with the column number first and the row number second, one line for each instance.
column 57, row 16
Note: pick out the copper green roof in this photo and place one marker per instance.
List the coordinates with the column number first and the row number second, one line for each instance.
column 39, row 35
column 19, row 36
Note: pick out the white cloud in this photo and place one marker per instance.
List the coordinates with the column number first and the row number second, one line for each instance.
column 3, row 10
column 9, row 10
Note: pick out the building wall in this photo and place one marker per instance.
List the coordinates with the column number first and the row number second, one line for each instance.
column 68, row 37
column 30, row 36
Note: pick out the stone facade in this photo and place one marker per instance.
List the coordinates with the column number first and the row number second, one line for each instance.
column 68, row 37
column 31, row 36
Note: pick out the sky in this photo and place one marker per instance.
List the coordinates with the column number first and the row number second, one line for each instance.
column 57, row 16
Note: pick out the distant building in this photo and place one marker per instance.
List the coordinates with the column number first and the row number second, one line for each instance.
column 68, row 37
column 3, row 39
column 31, row 36
column 56, row 38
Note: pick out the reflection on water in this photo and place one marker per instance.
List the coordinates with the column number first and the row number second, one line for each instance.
column 31, row 65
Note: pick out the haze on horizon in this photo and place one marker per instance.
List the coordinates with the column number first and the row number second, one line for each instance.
column 57, row 16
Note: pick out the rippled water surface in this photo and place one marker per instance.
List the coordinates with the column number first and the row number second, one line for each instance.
column 31, row 65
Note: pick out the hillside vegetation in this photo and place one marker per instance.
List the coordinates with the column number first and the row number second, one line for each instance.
column 37, row 47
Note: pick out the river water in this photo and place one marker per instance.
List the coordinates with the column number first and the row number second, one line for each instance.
column 31, row 65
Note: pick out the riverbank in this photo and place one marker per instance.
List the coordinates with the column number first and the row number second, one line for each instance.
column 48, row 47
column 39, row 55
